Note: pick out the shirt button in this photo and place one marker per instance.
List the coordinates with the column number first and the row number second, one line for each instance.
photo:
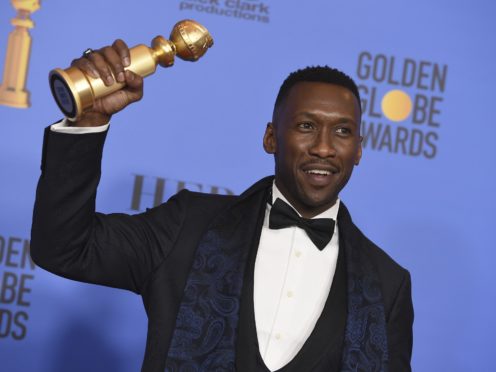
column 290, row 294
column 298, row 253
column 278, row 336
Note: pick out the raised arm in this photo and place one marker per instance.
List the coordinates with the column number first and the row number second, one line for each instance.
column 68, row 237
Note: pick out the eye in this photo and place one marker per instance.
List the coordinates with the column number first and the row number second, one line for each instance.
column 343, row 130
column 305, row 125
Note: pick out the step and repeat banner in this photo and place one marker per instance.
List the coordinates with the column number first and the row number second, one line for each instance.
column 424, row 191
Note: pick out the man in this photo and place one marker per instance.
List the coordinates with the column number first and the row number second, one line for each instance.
column 278, row 278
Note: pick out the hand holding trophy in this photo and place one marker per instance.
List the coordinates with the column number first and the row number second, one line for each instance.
column 103, row 82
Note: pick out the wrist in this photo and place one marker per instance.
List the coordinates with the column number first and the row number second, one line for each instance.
column 91, row 119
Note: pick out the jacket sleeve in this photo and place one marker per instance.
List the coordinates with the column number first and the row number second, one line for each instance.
column 399, row 328
column 70, row 239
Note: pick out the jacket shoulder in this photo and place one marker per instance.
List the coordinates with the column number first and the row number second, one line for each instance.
column 383, row 261
column 392, row 276
column 217, row 202
column 206, row 201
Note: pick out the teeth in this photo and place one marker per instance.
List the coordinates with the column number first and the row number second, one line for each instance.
column 318, row 171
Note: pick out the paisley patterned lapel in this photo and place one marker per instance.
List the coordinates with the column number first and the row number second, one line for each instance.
column 365, row 345
column 204, row 338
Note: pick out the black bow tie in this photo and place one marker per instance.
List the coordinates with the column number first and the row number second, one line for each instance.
column 319, row 230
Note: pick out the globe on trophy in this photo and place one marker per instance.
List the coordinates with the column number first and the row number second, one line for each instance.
column 75, row 92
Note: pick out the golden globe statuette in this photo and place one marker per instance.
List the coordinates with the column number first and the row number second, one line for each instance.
column 12, row 89
column 75, row 92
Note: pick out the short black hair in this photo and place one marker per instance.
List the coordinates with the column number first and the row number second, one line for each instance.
column 319, row 74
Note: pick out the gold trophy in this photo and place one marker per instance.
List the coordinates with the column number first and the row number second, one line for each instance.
column 75, row 92
column 12, row 90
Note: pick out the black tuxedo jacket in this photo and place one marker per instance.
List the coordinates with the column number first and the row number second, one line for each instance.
column 152, row 253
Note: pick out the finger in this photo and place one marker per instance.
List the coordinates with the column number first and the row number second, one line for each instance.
column 86, row 66
column 122, row 49
column 134, row 86
column 102, row 67
column 114, row 61
column 134, row 81
column 113, row 103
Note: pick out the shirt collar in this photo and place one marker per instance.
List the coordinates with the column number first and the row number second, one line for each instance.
column 332, row 212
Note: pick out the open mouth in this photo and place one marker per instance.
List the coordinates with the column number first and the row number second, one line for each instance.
column 318, row 172
column 319, row 177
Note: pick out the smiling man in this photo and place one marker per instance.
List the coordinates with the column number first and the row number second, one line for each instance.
column 278, row 278
column 315, row 137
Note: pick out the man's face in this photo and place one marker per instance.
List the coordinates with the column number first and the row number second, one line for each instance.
column 315, row 139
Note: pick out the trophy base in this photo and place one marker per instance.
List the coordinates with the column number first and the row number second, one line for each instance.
column 13, row 98
column 72, row 91
column 63, row 96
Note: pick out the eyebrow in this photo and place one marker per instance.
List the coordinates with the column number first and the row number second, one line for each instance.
column 341, row 119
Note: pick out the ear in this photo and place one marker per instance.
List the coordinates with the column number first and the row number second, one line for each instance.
column 269, row 139
column 359, row 152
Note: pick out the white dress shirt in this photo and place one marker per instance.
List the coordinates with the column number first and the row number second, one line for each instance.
column 292, row 279
column 291, row 284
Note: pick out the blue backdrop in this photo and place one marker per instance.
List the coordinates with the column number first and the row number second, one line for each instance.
column 424, row 190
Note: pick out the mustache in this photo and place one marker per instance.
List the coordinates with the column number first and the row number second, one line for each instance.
column 320, row 164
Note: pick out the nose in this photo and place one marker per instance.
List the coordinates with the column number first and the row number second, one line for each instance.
column 323, row 145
